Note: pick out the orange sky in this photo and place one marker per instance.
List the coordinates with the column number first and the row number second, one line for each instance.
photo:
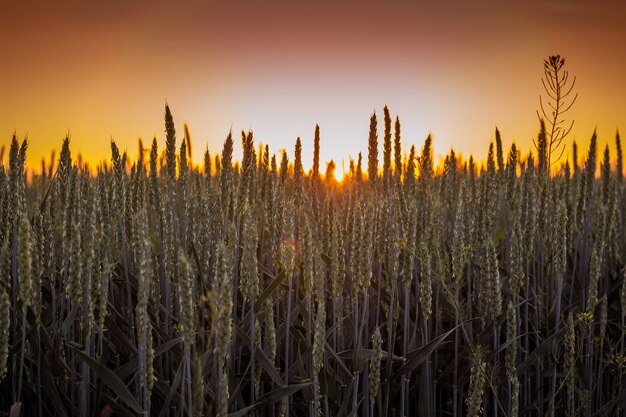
column 454, row 68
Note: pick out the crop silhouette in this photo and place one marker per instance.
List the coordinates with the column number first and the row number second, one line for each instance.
column 157, row 287
column 559, row 89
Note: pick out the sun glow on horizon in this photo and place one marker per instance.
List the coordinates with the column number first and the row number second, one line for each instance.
column 339, row 176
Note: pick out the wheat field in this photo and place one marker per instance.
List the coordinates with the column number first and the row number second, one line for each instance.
column 151, row 285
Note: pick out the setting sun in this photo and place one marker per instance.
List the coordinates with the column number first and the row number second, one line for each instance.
column 338, row 175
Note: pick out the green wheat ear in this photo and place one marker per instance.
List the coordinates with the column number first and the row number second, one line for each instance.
column 25, row 259
column 375, row 361
column 5, row 305
column 478, row 379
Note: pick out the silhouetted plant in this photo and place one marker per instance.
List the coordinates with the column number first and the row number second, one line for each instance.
column 397, row 150
column 372, row 150
column 556, row 83
column 316, row 152
column 387, row 147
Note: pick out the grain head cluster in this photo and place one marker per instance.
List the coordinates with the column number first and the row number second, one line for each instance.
column 154, row 286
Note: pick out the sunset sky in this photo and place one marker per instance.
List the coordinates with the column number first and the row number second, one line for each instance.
column 104, row 69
